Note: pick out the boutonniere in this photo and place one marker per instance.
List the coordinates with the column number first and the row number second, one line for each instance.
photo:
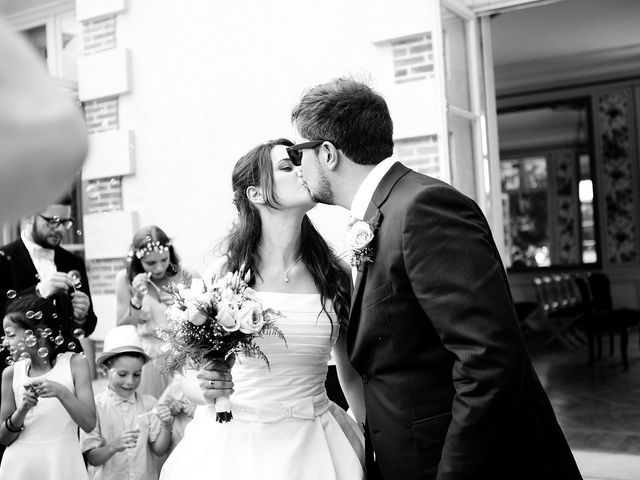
column 359, row 239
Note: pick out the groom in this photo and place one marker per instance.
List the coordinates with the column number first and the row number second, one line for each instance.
column 450, row 390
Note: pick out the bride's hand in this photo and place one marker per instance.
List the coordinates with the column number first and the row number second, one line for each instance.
column 215, row 379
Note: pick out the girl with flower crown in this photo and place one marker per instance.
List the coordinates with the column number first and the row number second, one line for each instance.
column 141, row 300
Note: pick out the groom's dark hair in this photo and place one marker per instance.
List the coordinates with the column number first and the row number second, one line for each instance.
column 350, row 115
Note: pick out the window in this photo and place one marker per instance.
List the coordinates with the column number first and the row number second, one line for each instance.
column 547, row 188
column 413, row 58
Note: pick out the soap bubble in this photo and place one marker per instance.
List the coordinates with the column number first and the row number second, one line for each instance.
column 11, row 294
column 93, row 193
column 71, row 345
column 24, row 356
column 30, row 341
column 9, row 332
column 20, row 345
column 38, row 315
column 46, row 332
column 28, row 333
column 76, row 278
column 59, row 340
column 30, row 314
column 10, row 361
column 78, row 333
column 43, row 352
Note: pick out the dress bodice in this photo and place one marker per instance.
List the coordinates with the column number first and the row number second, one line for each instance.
column 297, row 368
column 280, row 413
column 48, row 415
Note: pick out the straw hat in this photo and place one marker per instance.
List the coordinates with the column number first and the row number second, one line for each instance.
column 122, row 339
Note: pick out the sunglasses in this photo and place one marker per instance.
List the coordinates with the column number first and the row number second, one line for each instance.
column 295, row 151
column 56, row 221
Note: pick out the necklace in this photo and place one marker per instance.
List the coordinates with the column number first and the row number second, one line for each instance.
column 285, row 276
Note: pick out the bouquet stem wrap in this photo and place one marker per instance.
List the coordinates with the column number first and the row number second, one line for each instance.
column 222, row 404
column 223, row 409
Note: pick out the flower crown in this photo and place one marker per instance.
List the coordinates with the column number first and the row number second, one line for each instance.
column 150, row 247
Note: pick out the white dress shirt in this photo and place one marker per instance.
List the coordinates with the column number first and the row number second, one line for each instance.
column 41, row 257
column 364, row 195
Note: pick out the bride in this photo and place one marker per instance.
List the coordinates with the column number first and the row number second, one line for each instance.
column 284, row 427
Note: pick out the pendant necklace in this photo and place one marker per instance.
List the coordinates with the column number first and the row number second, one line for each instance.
column 285, row 276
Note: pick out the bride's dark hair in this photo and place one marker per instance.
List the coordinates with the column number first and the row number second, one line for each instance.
column 253, row 169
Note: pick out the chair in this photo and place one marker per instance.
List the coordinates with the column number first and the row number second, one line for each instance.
column 604, row 318
column 561, row 313
column 593, row 324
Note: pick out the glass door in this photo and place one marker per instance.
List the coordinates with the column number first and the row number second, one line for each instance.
column 470, row 110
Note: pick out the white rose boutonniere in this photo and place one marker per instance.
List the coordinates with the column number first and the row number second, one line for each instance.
column 359, row 238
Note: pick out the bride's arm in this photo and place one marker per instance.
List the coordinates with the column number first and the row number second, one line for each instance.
column 350, row 381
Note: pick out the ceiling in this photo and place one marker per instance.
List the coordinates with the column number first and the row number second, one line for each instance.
column 564, row 28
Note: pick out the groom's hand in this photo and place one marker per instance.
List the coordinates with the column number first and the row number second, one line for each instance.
column 215, row 379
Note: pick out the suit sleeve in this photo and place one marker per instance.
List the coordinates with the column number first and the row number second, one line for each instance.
column 90, row 324
column 8, row 283
column 459, row 281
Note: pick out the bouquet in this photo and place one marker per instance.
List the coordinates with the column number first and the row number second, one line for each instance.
column 205, row 325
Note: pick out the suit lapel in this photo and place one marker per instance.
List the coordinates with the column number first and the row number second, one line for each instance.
column 25, row 265
column 374, row 216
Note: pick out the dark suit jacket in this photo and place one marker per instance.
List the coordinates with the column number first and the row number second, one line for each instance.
column 17, row 272
column 450, row 390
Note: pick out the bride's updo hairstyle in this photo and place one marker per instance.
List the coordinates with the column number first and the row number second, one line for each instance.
column 255, row 168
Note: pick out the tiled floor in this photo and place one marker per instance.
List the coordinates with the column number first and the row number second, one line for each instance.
column 598, row 409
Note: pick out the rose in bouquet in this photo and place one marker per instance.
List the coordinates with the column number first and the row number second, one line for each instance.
column 206, row 325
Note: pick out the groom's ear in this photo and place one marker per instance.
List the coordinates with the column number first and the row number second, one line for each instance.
column 254, row 195
column 328, row 153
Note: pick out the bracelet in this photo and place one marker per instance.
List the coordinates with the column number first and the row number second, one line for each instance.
column 134, row 306
column 11, row 427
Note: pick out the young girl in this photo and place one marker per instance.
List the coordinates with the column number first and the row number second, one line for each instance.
column 46, row 395
column 152, row 264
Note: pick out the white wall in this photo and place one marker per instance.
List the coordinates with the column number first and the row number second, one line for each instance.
column 212, row 79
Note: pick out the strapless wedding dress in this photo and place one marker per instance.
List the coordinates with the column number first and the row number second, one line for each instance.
column 283, row 427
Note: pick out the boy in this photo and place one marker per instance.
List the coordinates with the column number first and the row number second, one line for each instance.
column 130, row 426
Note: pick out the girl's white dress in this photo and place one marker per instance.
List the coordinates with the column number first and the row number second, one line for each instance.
column 283, row 427
column 48, row 448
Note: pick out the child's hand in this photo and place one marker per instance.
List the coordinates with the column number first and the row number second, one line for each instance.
column 128, row 440
column 188, row 408
column 48, row 388
column 29, row 399
column 174, row 405
column 165, row 415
